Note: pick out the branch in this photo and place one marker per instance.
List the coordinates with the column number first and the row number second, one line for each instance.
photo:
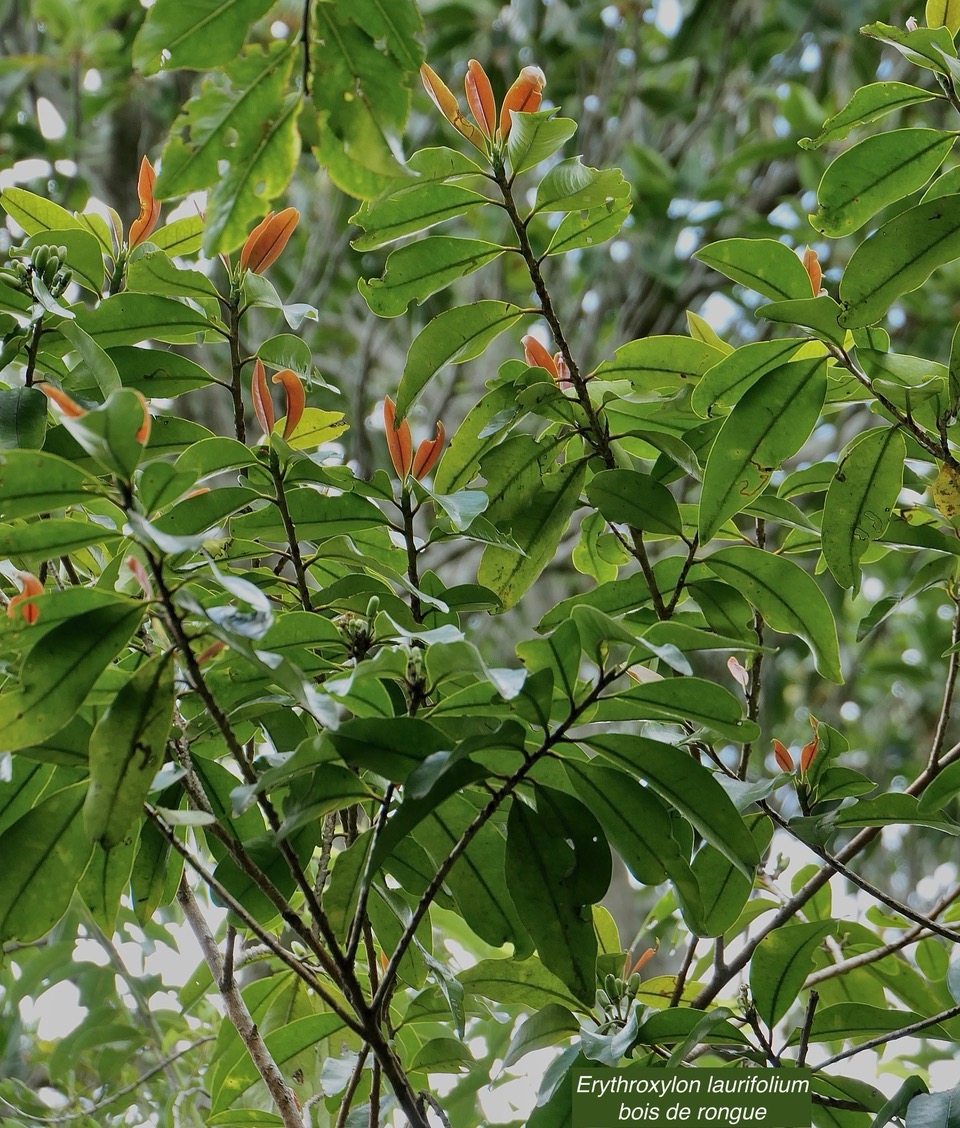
column 105, row 1102
column 492, row 806
column 812, row 1002
column 948, row 690
column 877, row 954
column 251, row 923
column 238, row 1013
column 883, row 1039
column 791, row 907
column 291, row 533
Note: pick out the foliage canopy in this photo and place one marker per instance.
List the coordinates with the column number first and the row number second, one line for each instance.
column 382, row 721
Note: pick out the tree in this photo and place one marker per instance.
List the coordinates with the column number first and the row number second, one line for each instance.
column 373, row 717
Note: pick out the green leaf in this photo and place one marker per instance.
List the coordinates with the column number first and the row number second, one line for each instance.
column 689, row 788
column 84, row 253
column 551, row 1024
column 787, row 598
column 35, row 214
column 590, row 228
column 943, row 13
column 254, row 179
column 416, row 205
column 537, row 868
column 397, row 24
column 155, row 875
column 105, row 881
column 724, row 891
column 763, row 265
column 128, row 319
column 681, row 699
column 198, row 35
column 897, row 1105
column 899, row 258
column 631, row 498
column 419, row 269
column 45, row 853
column 725, row 383
column 33, row 482
column 361, row 93
column 782, row 961
column 867, row 104
column 878, row 171
column 127, row 750
column 236, row 104
column 659, row 363
column 316, row 517
column 158, row 373
column 924, row 47
column 770, row 423
column 636, row 823
column 537, row 530
column 155, row 273
column 572, row 186
column 934, row 1110
column 858, row 1021
column 284, row 1044
column 54, row 537
column 820, row 314
column 525, row 983
column 859, row 499
column 288, row 351
column 892, row 809
column 110, row 433
column 393, row 747
column 478, row 880
column 454, row 336
column 60, row 670
column 23, row 423
column 93, row 360
column 182, row 237
column 534, row 137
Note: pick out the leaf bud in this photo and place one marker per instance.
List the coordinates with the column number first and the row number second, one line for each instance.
column 142, row 227
column 782, row 756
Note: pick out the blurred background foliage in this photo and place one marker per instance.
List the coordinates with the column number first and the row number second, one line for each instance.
column 701, row 102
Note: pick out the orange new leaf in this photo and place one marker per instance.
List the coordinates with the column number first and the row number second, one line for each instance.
column 811, row 264
column 783, row 757
column 537, row 356
column 296, row 399
column 523, row 97
column 143, row 432
column 142, row 227
column 480, row 99
column 399, row 442
column 30, row 587
column 69, row 407
column 446, row 102
column 262, row 403
column 267, row 240
column 428, row 454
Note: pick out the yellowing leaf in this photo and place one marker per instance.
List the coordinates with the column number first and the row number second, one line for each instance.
column 943, row 13
column 946, row 491
column 315, row 428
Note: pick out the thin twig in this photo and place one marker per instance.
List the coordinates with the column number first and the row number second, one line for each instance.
column 113, row 1097
column 812, row 1002
column 883, row 1039
column 482, row 818
column 351, row 1090
column 943, row 720
column 684, row 972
